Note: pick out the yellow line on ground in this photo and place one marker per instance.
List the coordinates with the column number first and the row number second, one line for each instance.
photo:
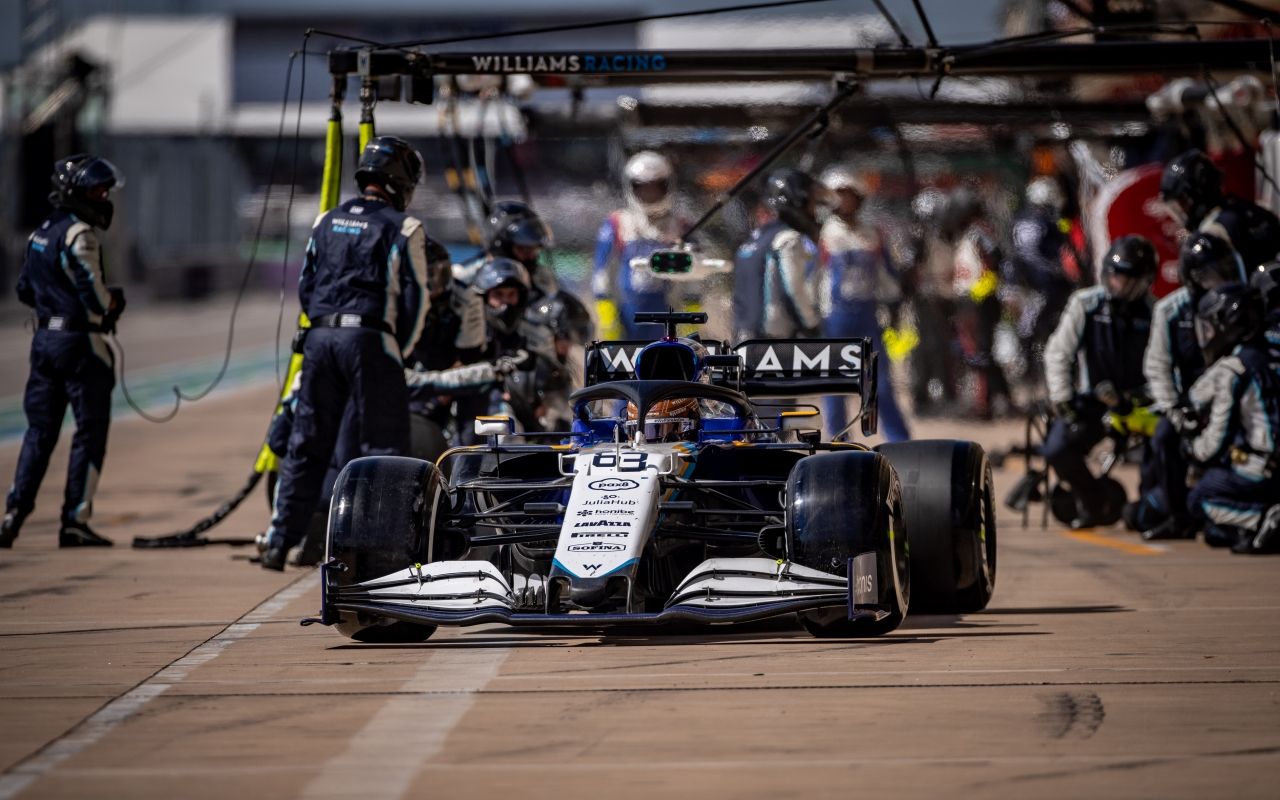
column 1132, row 548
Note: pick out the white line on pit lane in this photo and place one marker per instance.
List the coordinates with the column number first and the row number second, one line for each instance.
column 93, row 729
column 383, row 758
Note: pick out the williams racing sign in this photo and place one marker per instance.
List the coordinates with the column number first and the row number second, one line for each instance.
column 567, row 63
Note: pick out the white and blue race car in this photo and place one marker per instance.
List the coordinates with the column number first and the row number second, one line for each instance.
column 681, row 495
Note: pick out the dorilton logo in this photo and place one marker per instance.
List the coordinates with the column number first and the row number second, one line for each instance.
column 613, row 485
column 596, row 547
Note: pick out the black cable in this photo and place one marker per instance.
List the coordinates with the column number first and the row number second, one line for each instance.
column 893, row 23
column 118, row 347
column 288, row 210
column 606, row 23
column 924, row 20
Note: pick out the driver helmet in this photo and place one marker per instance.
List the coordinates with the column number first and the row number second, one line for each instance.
column 674, row 420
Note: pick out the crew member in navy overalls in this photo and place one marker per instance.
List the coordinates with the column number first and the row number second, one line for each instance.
column 775, row 270
column 1099, row 341
column 648, row 222
column 859, row 274
column 1173, row 362
column 1238, row 400
column 364, row 287
column 64, row 280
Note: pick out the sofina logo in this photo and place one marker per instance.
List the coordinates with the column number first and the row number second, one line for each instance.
column 596, row 547
column 613, row 485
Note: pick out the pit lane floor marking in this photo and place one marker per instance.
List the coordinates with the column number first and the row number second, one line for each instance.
column 26, row 772
column 424, row 712
column 1132, row 548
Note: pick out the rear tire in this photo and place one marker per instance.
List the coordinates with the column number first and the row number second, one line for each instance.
column 949, row 511
column 383, row 515
column 840, row 506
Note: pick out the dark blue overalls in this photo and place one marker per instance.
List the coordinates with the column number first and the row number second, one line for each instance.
column 63, row 280
column 363, row 285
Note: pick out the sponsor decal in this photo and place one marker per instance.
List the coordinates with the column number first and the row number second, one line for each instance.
column 603, row 523
column 570, row 63
column 597, row 547
column 865, row 589
column 599, row 534
column 612, row 503
column 613, row 485
column 592, row 568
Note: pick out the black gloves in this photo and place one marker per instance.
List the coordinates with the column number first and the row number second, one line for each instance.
column 1184, row 420
column 513, row 362
column 114, row 310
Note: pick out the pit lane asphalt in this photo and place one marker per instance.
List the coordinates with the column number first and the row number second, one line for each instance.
column 1104, row 667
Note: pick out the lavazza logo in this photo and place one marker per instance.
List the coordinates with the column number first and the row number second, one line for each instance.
column 613, row 485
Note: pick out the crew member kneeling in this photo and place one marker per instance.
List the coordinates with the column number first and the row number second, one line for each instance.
column 1100, row 339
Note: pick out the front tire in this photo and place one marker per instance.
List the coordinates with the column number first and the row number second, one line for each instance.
column 382, row 519
column 841, row 506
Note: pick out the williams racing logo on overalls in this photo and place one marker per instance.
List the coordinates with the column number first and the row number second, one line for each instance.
column 569, row 63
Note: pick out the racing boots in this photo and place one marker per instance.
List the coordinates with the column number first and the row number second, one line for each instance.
column 10, row 526
column 79, row 534
column 274, row 557
column 1171, row 528
column 1265, row 540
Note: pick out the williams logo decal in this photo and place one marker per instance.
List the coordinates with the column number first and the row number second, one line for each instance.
column 596, row 547
column 613, row 485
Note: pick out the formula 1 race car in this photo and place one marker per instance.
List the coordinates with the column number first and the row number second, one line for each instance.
column 674, row 498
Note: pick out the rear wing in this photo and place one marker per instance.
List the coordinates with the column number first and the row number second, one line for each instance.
column 760, row 368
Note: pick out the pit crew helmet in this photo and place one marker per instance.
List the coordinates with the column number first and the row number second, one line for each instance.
column 1207, row 262
column 1227, row 316
column 83, row 184
column 791, row 194
column 498, row 272
column 513, row 223
column 1191, row 186
column 1046, row 193
column 391, row 163
column 439, row 267
column 1129, row 268
column 648, row 182
column 565, row 316
column 837, row 178
column 1266, row 279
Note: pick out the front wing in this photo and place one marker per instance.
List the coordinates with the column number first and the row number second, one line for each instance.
column 719, row 591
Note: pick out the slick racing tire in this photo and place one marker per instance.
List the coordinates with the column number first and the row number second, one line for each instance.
column 841, row 506
column 382, row 519
column 950, row 517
